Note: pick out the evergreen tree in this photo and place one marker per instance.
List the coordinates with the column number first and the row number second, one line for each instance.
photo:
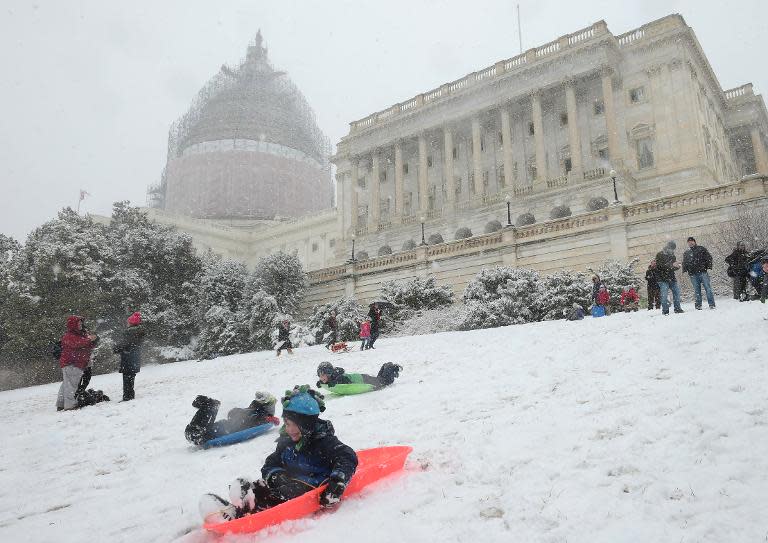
column 349, row 313
column 559, row 291
column 281, row 275
column 417, row 293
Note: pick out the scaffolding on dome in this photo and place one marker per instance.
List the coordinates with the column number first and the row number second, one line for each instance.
column 251, row 101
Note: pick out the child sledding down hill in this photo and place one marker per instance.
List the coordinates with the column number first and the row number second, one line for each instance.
column 202, row 427
column 331, row 376
column 307, row 456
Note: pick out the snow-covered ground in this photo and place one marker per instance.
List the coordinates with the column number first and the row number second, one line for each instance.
column 628, row 428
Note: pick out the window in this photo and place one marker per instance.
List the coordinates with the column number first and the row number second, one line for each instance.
column 603, row 153
column 361, row 182
column 482, row 144
column 501, row 138
column 486, row 179
column 563, row 119
column 455, row 152
column 502, row 180
column 429, row 161
column 514, row 172
column 332, row 242
column 567, row 165
column 598, row 107
column 531, row 129
column 644, row 153
column 458, row 185
column 314, row 247
column 405, row 168
column 532, row 171
column 637, row 95
column 383, row 176
column 471, row 181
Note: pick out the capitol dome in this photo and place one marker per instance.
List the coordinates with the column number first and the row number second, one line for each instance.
column 248, row 147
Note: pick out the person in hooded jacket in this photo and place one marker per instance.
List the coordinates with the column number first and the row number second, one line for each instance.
column 332, row 376
column 654, row 296
column 129, row 348
column 76, row 347
column 333, row 330
column 738, row 270
column 374, row 313
column 307, row 456
column 665, row 276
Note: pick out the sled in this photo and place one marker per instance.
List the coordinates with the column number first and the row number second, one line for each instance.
column 373, row 464
column 598, row 311
column 349, row 389
column 238, row 437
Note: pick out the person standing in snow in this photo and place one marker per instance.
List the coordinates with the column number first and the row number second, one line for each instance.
column 665, row 275
column 604, row 299
column 307, row 456
column 129, row 348
column 654, row 297
column 764, row 288
column 576, row 313
column 76, row 347
column 333, row 327
column 595, row 288
column 374, row 313
column 696, row 262
column 284, row 337
column 629, row 299
column 738, row 270
column 365, row 334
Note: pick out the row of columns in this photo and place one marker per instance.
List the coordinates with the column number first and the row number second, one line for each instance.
column 612, row 135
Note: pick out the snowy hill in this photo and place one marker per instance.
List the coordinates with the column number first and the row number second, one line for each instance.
column 628, row 428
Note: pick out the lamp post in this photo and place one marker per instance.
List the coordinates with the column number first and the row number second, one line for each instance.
column 423, row 241
column 353, row 249
column 508, row 199
column 615, row 194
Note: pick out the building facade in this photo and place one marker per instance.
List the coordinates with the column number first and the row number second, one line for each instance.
column 591, row 147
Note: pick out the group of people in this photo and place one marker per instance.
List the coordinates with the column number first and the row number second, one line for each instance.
column 747, row 268
column 369, row 328
column 308, row 454
column 73, row 351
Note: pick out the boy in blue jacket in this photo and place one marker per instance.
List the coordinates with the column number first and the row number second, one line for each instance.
column 307, row 456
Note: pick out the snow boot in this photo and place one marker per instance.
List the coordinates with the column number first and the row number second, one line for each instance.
column 215, row 509
column 198, row 429
column 202, row 401
column 242, row 496
column 388, row 373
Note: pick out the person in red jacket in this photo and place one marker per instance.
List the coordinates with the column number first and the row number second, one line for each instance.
column 629, row 299
column 604, row 299
column 365, row 333
column 76, row 347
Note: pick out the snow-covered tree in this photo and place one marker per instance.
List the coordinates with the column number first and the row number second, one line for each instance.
column 417, row 293
column 617, row 275
column 349, row 313
column 223, row 333
column 501, row 296
column 262, row 312
column 282, row 276
column 559, row 291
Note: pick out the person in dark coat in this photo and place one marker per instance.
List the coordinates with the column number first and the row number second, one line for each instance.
column 204, row 426
column 332, row 376
column 576, row 313
column 333, row 329
column 595, row 288
column 696, row 262
column 764, row 288
column 129, row 348
column 374, row 312
column 738, row 270
column 307, row 456
column 284, row 337
column 76, row 346
column 654, row 297
column 666, row 264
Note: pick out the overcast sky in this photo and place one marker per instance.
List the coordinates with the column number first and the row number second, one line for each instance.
column 89, row 89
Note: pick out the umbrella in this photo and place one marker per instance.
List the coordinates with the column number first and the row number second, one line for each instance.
column 384, row 304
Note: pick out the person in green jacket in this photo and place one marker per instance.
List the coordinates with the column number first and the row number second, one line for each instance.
column 331, row 376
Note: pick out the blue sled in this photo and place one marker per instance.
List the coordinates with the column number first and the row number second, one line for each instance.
column 237, row 437
column 598, row 311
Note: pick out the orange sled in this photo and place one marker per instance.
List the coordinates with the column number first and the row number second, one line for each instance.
column 373, row 464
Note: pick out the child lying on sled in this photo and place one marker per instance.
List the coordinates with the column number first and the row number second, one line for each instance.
column 308, row 455
column 332, row 376
column 204, row 426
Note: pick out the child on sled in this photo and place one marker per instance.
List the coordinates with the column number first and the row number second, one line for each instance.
column 332, row 376
column 204, row 426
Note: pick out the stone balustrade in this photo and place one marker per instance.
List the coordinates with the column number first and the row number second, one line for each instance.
column 555, row 182
column 744, row 90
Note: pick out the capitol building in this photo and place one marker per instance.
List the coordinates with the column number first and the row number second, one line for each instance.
column 594, row 146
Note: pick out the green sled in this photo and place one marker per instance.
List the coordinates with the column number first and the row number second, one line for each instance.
column 347, row 390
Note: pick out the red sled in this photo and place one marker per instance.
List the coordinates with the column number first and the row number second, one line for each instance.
column 373, row 465
column 340, row 347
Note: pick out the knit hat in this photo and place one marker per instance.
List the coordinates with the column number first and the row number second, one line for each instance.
column 134, row 319
column 325, row 368
column 267, row 401
column 670, row 246
column 691, row 238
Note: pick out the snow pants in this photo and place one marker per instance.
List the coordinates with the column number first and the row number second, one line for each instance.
column 654, row 298
column 287, row 345
column 129, row 378
column 71, row 376
column 740, row 287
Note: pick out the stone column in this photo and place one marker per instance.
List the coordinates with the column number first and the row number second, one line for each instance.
column 423, row 177
column 353, row 193
column 450, row 178
column 341, row 181
column 477, row 158
column 398, row 179
column 574, row 141
column 761, row 157
column 611, row 126
column 538, row 135
column 374, row 208
column 506, row 137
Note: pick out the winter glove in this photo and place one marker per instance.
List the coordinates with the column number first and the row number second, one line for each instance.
column 332, row 494
column 277, row 478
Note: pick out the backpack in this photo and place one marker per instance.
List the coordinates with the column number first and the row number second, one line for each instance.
column 56, row 350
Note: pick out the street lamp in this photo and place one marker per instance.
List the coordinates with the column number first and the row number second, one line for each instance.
column 612, row 173
column 423, row 241
column 508, row 199
column 353, row 249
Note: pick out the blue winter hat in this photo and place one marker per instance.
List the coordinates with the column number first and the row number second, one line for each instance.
column 303, row 404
